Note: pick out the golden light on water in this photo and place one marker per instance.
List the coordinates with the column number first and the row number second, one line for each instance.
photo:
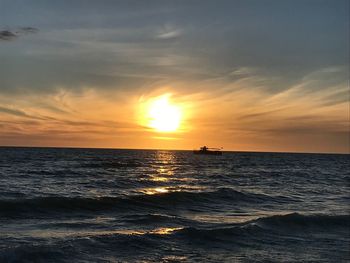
column 56, row 233
column 165, row 230
column 153, row 191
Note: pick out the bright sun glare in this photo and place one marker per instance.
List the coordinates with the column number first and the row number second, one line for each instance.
column 164, row 116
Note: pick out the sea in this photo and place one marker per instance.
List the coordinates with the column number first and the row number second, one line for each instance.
column 106, row 205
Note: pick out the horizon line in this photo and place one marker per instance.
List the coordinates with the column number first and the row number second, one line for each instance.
column 155, row 149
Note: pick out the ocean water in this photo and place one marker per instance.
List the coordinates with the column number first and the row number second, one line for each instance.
column 97, row 205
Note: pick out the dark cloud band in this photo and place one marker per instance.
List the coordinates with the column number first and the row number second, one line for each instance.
column 7, row 35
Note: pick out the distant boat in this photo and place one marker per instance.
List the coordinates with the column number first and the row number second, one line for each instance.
column 208, row 151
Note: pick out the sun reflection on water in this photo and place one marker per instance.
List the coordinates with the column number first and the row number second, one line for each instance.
column 167, row 177
column 157, row 190
column 165, row 164
column 165, row 230
column 62, row 233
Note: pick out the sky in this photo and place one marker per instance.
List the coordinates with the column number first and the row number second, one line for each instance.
column 247, row 75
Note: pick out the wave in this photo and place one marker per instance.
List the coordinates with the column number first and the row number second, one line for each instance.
column 265, row 230
column 292, row 223
column 296, row 220
column 156, row 219
column 181, row 199
column 273, row 227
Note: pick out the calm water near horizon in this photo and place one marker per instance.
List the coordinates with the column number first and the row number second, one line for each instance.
column 105, row 205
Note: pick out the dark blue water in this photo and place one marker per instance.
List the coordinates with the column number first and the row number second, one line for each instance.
column 89, row 205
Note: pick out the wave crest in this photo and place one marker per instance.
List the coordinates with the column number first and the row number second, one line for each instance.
column 181, row 199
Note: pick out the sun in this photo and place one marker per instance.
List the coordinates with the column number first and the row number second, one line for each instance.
column 163, row 116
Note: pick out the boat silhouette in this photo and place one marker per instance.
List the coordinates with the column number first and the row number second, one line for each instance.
column 208, row 151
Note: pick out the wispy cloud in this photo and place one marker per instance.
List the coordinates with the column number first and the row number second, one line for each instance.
column 243, row 71
column 13, row 112
column 7, row 35
column 169, row 34
column 27, row 30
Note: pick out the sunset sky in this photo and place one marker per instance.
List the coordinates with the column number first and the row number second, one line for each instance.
column 242, row 75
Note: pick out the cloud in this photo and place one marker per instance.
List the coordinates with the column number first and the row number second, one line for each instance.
column 7, row 35
column 169, row 35
column 13, row 112
column 243, row 71
column 29, row 30
column 169, row 32
column 20, row 113
column 258, row 115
